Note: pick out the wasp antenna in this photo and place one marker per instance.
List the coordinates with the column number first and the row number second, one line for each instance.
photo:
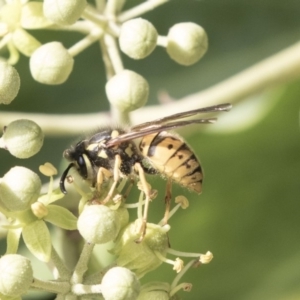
column 63, row 178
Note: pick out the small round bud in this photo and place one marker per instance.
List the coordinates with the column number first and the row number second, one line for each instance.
column 22, row 138
column 9, row 83
column 187, row 43
column 120, row 284
column 98, row 224
column 137, row 38
column 19, row 188
column 64, row 12
column 51, row 63
column 127, row 90
column 16, row 274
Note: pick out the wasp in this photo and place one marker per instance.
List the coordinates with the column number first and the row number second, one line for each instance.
column 112, row 153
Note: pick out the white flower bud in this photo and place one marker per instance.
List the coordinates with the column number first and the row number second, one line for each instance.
column 120, row 284
column 16, row 274
column 22, row 138
column 137, row 38
column 98, row 224
column 19, row 188
column 127, row 90
column 51, row 63
column 9, row 83
column 64, row 12
column 187, row 43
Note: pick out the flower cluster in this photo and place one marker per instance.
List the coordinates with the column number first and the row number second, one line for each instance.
column 52, row 63
column 138, row 248
column 26, row 211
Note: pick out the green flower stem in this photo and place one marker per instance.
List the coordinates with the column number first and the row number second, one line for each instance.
column 140, row 9
column 113, row 7
column 51, row 286
column 95, row 35
column 114, row 54
column 162, row 41
column 109, row 70
column 180, row 274
column 82, row 264
column 184, row 254
column 183, row 286
column 63, row 271
column 120, row 116
column 83, row 27
column 91, row 14
column 100, row 5
column 82, row 289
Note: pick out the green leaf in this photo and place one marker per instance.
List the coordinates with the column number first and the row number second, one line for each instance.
column 37, row 239
column 61, row 217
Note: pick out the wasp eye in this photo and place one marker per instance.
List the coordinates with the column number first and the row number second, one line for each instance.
column 82, row 166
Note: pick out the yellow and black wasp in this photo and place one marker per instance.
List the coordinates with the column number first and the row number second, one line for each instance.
column 111, row 153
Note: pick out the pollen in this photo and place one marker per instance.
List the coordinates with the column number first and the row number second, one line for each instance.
column 115, row 133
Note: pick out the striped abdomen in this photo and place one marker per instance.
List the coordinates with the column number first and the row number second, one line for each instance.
column 173, row 158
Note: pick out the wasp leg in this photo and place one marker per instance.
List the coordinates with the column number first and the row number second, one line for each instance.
column 116, row 178
column 168, row 198
column 102, row 173
column 146, row 191
column 125, row 195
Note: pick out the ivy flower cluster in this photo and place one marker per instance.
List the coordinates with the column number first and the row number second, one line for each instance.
column 51, row 63
column 27, row 210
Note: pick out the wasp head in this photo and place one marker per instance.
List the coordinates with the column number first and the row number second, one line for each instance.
column 78, row 159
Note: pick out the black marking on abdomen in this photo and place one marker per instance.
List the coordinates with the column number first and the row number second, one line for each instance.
column 156, row 140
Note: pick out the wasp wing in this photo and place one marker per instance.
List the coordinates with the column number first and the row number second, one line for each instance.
column 208, row 109
column 166, row 124
column 155, row 128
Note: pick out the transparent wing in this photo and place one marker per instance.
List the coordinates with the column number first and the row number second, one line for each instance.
column 208, row 109
column 166, row 123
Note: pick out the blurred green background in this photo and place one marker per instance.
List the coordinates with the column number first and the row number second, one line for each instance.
column 248, row 215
